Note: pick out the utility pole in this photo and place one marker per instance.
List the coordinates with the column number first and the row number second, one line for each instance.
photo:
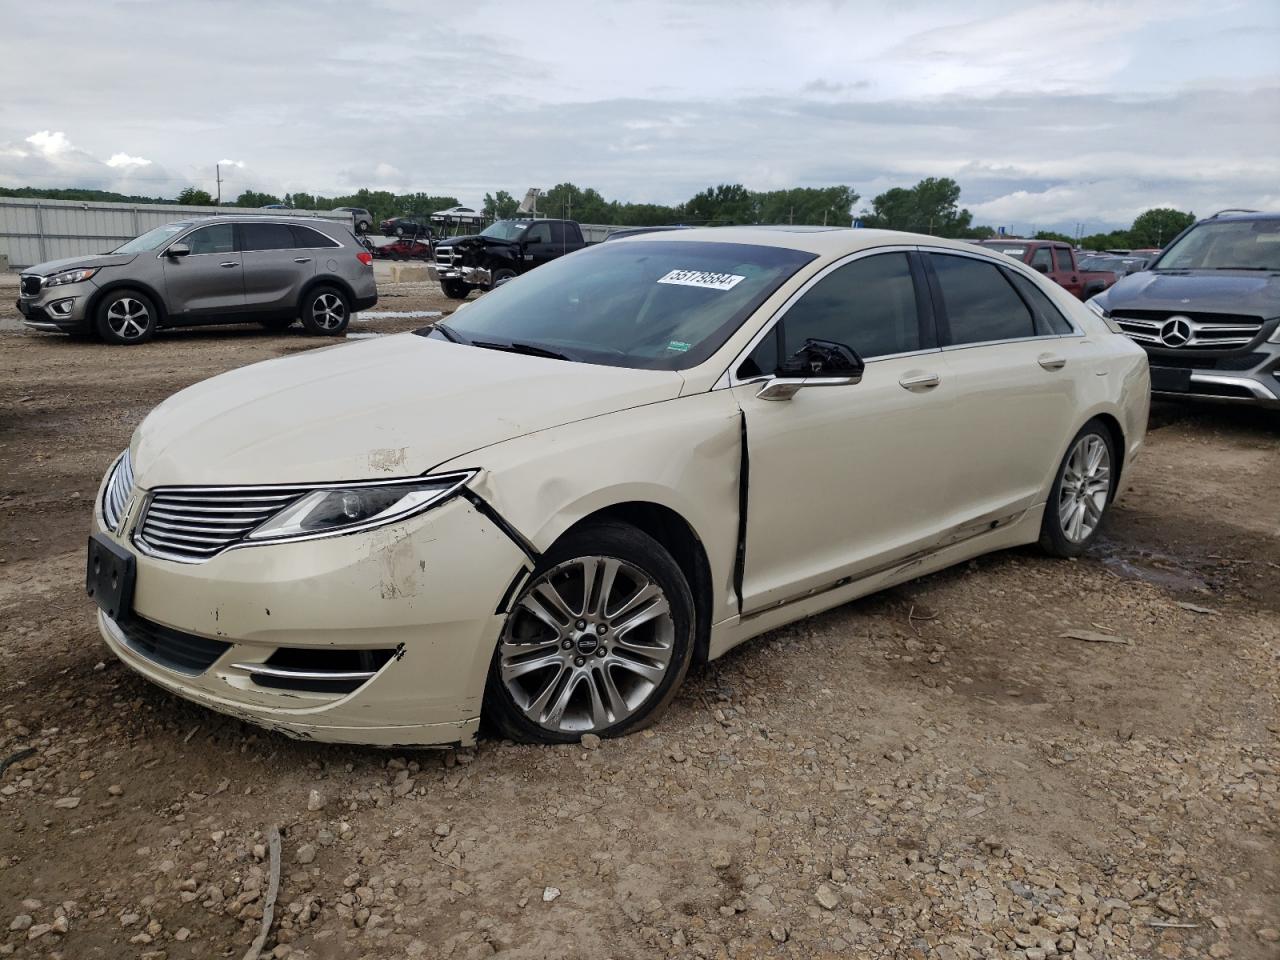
column 218, row 167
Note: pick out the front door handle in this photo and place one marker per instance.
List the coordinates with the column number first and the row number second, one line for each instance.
column 1050, row 362
column 230, row 263
column 920, row 381
column 301, row 259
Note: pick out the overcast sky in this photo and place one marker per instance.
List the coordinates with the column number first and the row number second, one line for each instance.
column 1048, row 114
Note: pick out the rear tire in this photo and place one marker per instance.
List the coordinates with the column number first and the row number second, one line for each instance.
column 1081, row 494
column 326, row 312
column 455, row 289
column 126, row 318
column 619, row 650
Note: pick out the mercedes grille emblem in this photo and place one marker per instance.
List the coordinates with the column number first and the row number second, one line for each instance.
column 1176, row 332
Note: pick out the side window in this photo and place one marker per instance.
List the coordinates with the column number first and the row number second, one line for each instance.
column 869, row 305
column 557, row 233
column 1063, row 256
column 1049, row 319
column 307, row 239
column 980, row 304
column 763, row 360
column 266, row 236
column 538, row 233
column 218, row 238
column 1041, row 259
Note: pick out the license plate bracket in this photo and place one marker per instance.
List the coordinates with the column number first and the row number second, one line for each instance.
column 1170, row 379
column 109, row 576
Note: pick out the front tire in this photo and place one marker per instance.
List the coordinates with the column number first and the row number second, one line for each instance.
column 455, row 289
column 325, row 312
column 1081, row 493
column 598, row 641
column 500, row 277
column 125, row 318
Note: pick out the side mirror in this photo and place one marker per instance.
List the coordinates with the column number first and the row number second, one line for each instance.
column 819, row 363
column 178, row 250
column 1042, row 267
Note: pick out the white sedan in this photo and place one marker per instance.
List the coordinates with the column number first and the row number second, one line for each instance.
column 539, row 514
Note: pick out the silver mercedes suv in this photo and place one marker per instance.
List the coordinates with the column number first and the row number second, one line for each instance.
column 206, row 270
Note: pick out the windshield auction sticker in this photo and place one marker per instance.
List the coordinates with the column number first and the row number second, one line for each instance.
column 701, row 278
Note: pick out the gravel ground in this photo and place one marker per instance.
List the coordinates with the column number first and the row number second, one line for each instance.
column 936, row 771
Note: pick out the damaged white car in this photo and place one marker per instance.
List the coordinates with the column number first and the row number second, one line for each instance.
column 540, row 513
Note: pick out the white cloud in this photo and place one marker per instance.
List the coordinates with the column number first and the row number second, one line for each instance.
column 50, row 143
column 119, row 160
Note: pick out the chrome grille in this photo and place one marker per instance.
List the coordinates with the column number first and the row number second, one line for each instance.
column 29, row 284
column 194, row 523
column 1200, row 331
column 115, row 497
column 444, row 256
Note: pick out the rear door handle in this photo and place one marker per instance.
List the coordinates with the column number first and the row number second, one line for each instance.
column 921, row 381
column 301, row 259
column 1050, row 362
column 230, row 263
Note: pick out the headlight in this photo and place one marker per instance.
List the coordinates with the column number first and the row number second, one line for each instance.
column 335, row 510
column 1102, row 314
column 69, row 276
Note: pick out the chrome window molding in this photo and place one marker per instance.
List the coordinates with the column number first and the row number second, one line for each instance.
column 460, row 479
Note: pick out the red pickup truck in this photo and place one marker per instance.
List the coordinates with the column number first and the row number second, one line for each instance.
column 1058, row 262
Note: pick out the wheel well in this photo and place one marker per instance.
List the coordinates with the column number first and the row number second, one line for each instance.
column 673, row 532
column 328, row 281
column 1117, row 443
column 91, row 309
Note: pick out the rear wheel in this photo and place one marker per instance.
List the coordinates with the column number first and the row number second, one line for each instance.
column 325, row 312
column 126, row 317
column 1081, row 493
column 455, row 289
column 598, row 641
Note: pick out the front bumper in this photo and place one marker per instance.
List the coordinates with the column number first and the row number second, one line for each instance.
column 1252, row 378
column 478, row 276
column 60, row 309
column 429, row 588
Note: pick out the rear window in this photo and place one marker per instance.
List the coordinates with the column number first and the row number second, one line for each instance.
column 981, row 306
column 658, row 305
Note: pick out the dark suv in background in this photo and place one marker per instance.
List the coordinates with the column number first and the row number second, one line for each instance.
column 1207, row 311
column 209, row 270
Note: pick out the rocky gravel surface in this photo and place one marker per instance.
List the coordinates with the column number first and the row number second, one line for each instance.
column 956, row 768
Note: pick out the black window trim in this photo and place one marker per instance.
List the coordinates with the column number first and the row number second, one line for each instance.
column 940, row 312
column 925, row 314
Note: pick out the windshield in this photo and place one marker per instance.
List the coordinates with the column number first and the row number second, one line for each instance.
column 152, row 239
column 504, row 229
column 1226, row 245
column 657, row 305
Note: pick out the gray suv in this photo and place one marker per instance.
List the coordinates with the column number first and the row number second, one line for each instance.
column 209, row 270
column 1207, row 311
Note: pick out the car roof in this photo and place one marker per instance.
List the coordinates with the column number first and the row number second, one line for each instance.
column 1229, row 215
column 823, row 241
column 252, row 218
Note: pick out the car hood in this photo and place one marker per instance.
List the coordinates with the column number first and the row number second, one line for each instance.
column 51, row 267
column 1198, row 291
column 391, row 407
column 474, row 239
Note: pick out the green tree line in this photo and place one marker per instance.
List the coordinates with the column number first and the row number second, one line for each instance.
column 932, row 206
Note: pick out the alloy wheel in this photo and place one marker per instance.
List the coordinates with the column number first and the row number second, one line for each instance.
column 128, row 318
column 328, row 311
column 1085, row 486
column 587, row 644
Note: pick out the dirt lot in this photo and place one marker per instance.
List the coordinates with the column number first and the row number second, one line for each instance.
column 931, row 772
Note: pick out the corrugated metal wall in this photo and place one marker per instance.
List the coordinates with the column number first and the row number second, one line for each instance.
column 33, row 231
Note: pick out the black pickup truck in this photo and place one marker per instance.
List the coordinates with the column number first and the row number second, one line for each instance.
column 502, row 250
